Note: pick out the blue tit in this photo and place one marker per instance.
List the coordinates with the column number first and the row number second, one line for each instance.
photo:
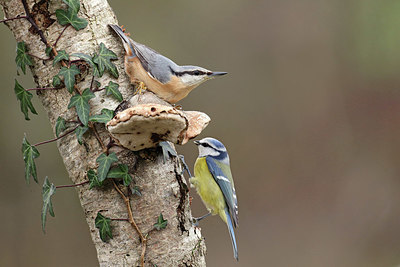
column 214, row 183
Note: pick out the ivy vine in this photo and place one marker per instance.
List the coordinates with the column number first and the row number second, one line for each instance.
column 100, row 62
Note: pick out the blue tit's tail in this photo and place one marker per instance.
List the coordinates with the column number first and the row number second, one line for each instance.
column 232, row 234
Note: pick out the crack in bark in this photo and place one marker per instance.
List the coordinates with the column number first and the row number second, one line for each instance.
column 183, row 191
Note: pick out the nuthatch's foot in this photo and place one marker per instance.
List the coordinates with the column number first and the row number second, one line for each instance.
column 140, row 87
column 178, row 107
column 198, row 219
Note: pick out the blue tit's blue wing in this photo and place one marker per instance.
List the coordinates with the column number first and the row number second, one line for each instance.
column 223, row 176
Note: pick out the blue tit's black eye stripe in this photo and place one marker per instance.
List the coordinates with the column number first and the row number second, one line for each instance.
column 206, row 145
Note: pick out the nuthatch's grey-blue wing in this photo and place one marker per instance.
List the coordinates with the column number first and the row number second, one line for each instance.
column 161, row 75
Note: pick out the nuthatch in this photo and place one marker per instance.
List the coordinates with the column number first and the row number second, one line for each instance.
column 214, row 183
column 161, row 75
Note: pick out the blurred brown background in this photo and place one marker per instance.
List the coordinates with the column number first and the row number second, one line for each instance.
column 310, row 114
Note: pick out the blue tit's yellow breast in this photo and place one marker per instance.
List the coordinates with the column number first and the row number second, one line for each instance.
column 208, row 189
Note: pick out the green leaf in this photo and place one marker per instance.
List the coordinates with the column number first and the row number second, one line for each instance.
column 30, row 153
column 47, row 191
column 161, row 223
column 135, row 190
column 23, row 58
column 81, row 104
column 103, row 224
column 103, row 61
column 60, row 126
column 70, row 17
column 105, row 116
column 89, row 60
column 93, row 179
column 112, row 89
column 56, row 81
column 105, row 162
column 62, row 55
column 73, row 5
column 25, row 100
column 69, row 76
column 48, row 51
column 121, row 171
column 79, row 133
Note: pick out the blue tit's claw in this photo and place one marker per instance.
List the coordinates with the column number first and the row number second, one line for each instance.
column 167, row 150
column 185, row 166
column 195, row 223
column 198, row 219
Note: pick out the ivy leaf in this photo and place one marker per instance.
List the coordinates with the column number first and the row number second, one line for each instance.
column 80, row 132
column 23, row 58
column 161, row 223
column 47, row 191
column 70, row 17
column 73, row 5
column 135, row 190
column 105, row 116
column 103, row 224
column 89, row 60
column 103, row 61
column 60, row 126
column 30, row 153
column 25, row 100
column 105, row 162
column 69, row 76
column 48, row 51
column 62, row 55
column 121, row 171
column 81, row 104
column 112, row 89
column 56, row 81
column 93, row 179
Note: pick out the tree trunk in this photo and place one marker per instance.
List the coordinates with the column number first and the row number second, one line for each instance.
column 162, row 185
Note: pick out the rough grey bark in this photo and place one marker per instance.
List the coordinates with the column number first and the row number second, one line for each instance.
column 163, row 187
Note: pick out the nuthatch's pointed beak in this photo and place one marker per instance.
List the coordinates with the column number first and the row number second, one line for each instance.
column 217, row 73
column 196, row 142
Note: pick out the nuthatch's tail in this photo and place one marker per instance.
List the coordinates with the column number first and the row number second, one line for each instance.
column 130, row 51
column 232, row 234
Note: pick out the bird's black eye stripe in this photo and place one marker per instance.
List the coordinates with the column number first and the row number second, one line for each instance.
column 190, row 72
column 205, row 145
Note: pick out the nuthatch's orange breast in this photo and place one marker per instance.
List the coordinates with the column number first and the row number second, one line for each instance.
column 172, row 91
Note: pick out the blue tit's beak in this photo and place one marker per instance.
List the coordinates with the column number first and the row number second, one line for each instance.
column 217, row 73
column 196, row 142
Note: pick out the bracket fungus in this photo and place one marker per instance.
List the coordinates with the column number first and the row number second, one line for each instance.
column 145, row 125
